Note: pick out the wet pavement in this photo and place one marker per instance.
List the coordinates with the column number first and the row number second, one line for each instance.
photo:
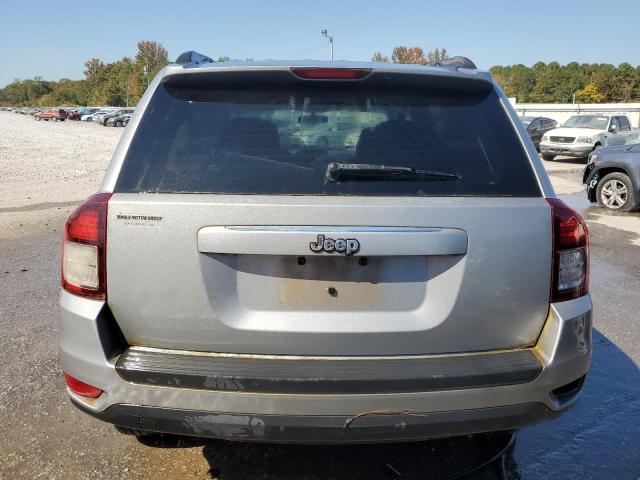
column 44, row 437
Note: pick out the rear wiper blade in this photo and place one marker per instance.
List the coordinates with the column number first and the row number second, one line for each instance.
column 337, row 171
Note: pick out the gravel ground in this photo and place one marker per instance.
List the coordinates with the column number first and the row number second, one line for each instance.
column 47, row 167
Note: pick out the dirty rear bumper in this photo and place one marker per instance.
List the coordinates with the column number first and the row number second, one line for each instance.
column 320, row 429
column 90, row 351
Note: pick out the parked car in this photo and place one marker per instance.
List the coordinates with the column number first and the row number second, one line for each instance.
column 115, row 113
column 90, row 117
column 118, row 121
column 612, row 176
column 54, row 114
column 582, row 134
column 98, row 117
column 537, row 127
column 250, row 290
column 77, row 114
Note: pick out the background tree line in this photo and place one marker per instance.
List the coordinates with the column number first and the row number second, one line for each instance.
column 123, row 82
column 555, row 83
column 546, row 82
column 118, row 83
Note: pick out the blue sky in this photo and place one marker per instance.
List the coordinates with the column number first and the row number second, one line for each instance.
column 54, row 39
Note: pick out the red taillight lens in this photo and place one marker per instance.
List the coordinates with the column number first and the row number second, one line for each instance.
column 83, row 266
column 81, row 388
column 570, row 276
column 331, row 73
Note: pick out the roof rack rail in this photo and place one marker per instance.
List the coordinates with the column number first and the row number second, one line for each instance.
column 455, row 63
column 193, row 57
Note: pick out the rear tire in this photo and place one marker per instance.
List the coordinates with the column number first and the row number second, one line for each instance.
column 615, row 192
column 547, row 157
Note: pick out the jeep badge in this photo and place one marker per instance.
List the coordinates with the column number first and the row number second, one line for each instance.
column 347, row 246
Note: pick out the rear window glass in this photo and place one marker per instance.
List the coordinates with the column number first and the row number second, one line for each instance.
column 279, row 140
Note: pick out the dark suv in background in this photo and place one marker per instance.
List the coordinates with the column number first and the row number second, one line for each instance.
column 537, row 127
column 612, row 176
column 116, row 113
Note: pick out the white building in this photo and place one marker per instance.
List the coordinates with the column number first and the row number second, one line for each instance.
column 560, row 112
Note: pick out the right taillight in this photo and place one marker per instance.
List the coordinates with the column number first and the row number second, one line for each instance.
column 83, row 268
column 570, row 274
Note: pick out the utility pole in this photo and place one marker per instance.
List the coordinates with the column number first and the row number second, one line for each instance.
column 330, row 38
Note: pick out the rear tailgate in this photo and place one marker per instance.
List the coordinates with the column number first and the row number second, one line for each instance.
column 476, row 277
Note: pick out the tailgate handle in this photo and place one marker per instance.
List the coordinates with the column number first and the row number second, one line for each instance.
column 303, row 240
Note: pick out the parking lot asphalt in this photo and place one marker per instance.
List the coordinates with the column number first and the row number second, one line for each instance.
column 43, row 436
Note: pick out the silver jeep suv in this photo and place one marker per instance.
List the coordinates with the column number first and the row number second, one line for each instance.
column 413, row 277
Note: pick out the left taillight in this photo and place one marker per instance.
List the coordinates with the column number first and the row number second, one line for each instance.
column 81, row 388
column 84, row 249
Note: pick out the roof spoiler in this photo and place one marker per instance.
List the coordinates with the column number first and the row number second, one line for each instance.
column 456, row 63
column 191, row 57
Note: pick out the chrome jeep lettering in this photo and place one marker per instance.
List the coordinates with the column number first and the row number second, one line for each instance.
column 347, row 246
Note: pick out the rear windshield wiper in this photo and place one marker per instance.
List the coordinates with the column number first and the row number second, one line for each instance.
column 339, row 171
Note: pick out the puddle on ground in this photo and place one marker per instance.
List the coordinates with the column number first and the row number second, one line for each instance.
column 578, row 201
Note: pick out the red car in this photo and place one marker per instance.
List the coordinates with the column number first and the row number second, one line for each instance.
column 54, row 114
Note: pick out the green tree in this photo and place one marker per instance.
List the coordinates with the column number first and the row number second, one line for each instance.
column 378, row 57
column 605, row 81
column 95, row 75
column 150, row 59
column 437, row 55
column 545, row 89
column 626, row 83
column 516, row 80
column 117, row 83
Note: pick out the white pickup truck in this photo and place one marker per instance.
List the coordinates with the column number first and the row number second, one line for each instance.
column 582, row 134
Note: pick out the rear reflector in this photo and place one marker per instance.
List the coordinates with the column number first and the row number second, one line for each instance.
column 570, row 273
column 83, row 268
column 81, row 388
column 331, row 73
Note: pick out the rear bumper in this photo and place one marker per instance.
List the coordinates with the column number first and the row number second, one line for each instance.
column 90, row 350
column 578, row 150
column 319, row 429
